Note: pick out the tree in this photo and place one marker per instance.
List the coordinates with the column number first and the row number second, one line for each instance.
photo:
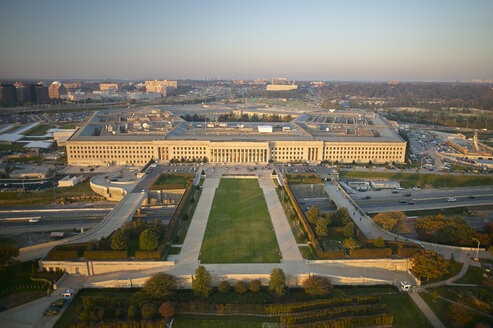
column 427, row 264
column 160, row 285
column 201, row 284
column 119, row 240
column 241, row 287
column 224, row 286
column 392, row 221
column 341, row 217
column 321, row 228
column 167, row 310
column 351, row 243
column 459, row 314
column 8, row 252
column 277, row 282
column 313, row 214
column 255, row 286
column 379, row 242
column 349, row 230
column 133, row 312
column 148, row 240
column 328, row 218
column 317, row 286
column 148, row 311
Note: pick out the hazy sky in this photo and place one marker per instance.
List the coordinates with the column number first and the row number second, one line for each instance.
column 305, row 40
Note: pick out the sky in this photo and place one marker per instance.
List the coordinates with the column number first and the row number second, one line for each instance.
column 430, row 40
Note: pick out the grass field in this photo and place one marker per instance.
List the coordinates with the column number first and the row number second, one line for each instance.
column 409, row 180
column 39, row 130
column 239, row 229
column 44, row 197
column 172, row 181
column 473, row 275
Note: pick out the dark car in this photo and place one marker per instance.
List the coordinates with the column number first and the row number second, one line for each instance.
column 367, row 197
column 411, row 203
column 403, row 201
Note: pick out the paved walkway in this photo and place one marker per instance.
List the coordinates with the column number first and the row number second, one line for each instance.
column 190, row 251
column 435, row 322
column 285, row 239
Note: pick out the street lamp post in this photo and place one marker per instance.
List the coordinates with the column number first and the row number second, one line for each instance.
column 477, row 250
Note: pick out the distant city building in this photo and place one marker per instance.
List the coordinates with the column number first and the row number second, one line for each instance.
column 108, row 86
column 144, row 95
column 281, row 84
column 56, row 90
column 23, row 94
column 81, row 96
column 164, row 87
column 7, row 95
column 260, row 81
column 40, row 93
column 72, row 85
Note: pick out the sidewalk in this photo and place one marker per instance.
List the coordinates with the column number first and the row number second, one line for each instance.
column 426, row 310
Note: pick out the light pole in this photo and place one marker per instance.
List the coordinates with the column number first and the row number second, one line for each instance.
column 477, row 250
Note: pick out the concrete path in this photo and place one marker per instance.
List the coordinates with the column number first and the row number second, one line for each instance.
column 435, row 322
column 285, row 239
column 190, row 250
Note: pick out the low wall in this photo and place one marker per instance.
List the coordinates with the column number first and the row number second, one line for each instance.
column 234, row 176
column 387, row 264
column 90, row 268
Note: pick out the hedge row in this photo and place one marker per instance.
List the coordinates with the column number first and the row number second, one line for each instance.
column 219, row 309
column 105, row 255
column 173, row 223
column 333, row 313
column 351, row 322
column 62, row 255
column 331, row 254
column 147, row 255
column 169, row 187
column 365, row 253
column 406, row 252
column 280, row 309
column 122, row 324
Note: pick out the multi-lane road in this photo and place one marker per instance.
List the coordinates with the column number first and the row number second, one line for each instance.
column 385, row 200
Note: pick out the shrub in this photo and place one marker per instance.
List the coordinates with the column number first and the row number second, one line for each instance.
column 133, row 312
column 379, row 242
column 255, row 286
column 317, row 286
column 351, row 243
column 240, row 287
column 160, row 285
column 349, row 230
column 224, row 286
column 148, row 240
column 201, row 284
column 167, row 310
column 147, row 255
column 148, row 311
column 277, row 282
column 119, row 239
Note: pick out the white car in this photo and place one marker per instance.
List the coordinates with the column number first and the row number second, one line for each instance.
column 416, row 188
column 450, row 199
column 399, row 188
column 34, row 220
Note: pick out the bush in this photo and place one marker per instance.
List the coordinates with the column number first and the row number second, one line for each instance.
column 105, row 255
column 255, row 286
column 349, row 230
column 317, row 286
column 224, row 286
column 351, row 243
column 148, row 240
column 147, row 255
column 240, row 287
column 167, row 310
column 160, row 285
column 119, row 240
column 379, row 242
column 148, row 311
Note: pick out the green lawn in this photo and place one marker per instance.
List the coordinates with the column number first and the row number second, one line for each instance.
column 39, row 130
column 209, row 321
column 409, row 180
column 172, row 181
column 239, row 229
column 405, row 311
column 473, row 276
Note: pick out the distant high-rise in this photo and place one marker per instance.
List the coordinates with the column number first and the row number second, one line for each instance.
column 162, row 87
column 40, row 93
column 7, row 95
column 56, row 90
column 108, row 86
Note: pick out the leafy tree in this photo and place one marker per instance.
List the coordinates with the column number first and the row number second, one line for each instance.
column 255, row 286
column 241, row 287
column 313, row 214
column 379, row 242
column 317, row 286
column 201, row 284
column 341, row 217
column 133, row 312
column 321, row 228
column 459, row 314
column 351, row 243
column 8, row 252
column 427, row 264
column 328, row 218
column 445, row 230
column 224, row 286
column 148, row 311
column 349, row 230
column 160, row 285
column 119, row 240
column 277, row 282
column 148, row 240
column 167, row 310
column 392, row 221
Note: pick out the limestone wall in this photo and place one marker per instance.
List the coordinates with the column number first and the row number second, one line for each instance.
column 387, row 264
column 90, row 268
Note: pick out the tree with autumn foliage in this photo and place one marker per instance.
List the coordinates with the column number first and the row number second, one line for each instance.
column 428, row 265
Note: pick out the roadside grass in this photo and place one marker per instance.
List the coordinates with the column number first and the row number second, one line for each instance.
column 239, row 228
column 174, row 250
column 409, row 180
column 14, row 198
column 473, row 275
column 444, row 211
column 308, row 253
